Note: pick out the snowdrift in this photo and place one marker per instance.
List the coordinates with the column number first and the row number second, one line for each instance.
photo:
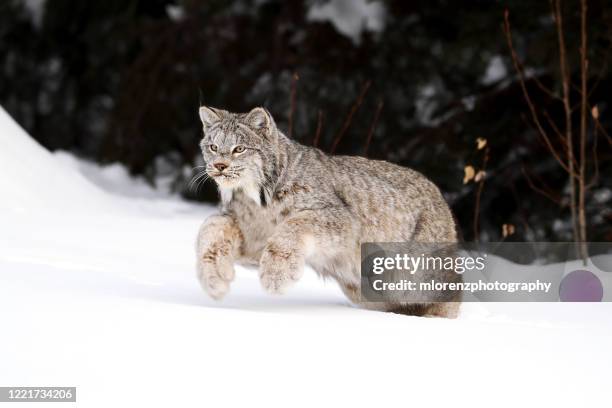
column 33, row 180
column 98, row 291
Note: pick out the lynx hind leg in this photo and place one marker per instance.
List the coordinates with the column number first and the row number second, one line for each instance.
column 449, row 310
column 353, row 293
column 217, row 244
column 428, row 230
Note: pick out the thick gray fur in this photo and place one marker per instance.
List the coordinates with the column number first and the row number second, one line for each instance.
column 284, row 205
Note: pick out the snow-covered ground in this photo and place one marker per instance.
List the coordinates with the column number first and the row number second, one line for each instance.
column 98, row 291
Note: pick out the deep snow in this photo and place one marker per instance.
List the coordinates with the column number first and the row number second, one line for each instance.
column 98, row 291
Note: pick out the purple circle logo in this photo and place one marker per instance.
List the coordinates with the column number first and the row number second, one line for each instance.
column 581, row 286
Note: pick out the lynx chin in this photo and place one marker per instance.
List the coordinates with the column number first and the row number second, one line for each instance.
column 284, row 205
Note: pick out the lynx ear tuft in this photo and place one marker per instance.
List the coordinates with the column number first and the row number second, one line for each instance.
column 259, row 118
column 208, row 116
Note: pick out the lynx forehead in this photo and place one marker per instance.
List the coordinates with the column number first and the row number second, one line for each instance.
column 236, row 149
column 284, row 205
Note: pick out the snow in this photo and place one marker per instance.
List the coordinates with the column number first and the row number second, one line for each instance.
column 115, row 178
column 36, row 8
column 602, row 196
column 426, row 105
column 31, row 177
column 350, row 17
column 175, row 13
column 98, row 291
column 496, row 71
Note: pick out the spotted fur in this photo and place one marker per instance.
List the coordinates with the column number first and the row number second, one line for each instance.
column 284, row 205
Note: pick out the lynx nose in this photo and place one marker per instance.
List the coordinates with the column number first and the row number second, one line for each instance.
column 220, row 166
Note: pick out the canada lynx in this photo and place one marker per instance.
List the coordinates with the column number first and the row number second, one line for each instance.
column 284, row 205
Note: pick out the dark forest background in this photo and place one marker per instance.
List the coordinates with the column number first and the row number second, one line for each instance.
column 426, row 84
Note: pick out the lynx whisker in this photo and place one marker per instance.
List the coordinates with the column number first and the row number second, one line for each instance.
column 196, row 178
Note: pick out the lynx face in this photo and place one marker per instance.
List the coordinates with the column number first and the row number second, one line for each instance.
column 235, row 147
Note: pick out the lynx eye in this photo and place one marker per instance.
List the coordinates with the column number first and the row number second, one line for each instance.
column 213, row 147
column 239, row 149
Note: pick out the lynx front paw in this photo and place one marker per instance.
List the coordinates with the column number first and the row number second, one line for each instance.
column 279, row 269
column 215, row 274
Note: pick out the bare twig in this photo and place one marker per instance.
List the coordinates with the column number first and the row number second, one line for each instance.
column 565, row 80
column 379, row 108
column 478, row 194
column 595, row 115
column 544, row 88
column 595, row 178
column 551, row 94
column 554, row 126
column 561, row 136
column 545, row 192
column 603, row 131
column 349, row 117
column 527, row 97
column 584, row 64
